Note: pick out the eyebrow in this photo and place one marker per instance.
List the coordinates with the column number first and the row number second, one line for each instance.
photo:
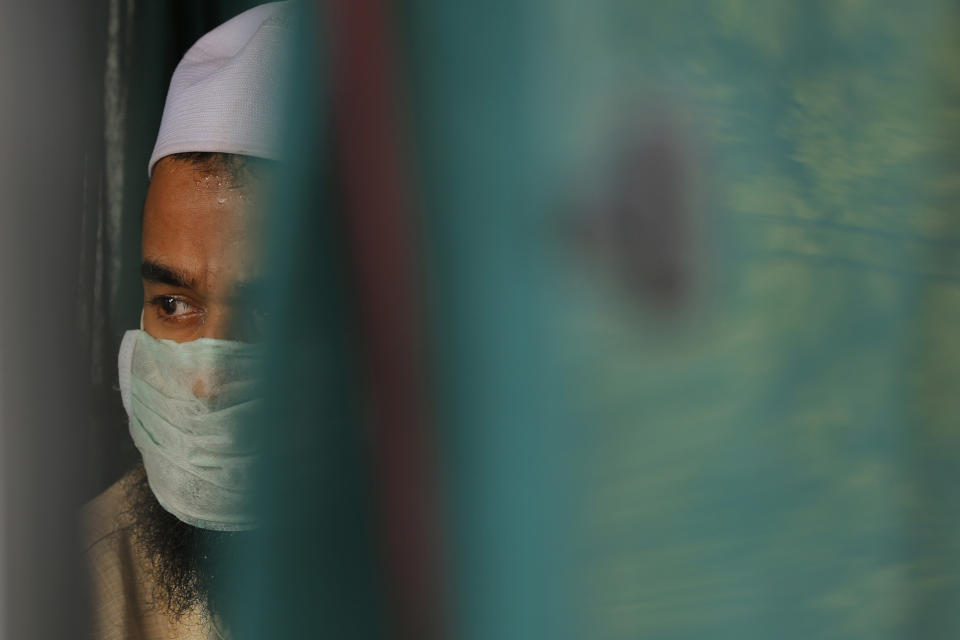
column 162, row 274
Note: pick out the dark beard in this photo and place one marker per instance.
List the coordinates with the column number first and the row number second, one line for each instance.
column 190, row 566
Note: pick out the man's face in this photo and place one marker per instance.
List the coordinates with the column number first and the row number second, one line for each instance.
column 200, row 258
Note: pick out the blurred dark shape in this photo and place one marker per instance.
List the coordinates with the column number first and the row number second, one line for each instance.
column 650, row 220
column 641, row 223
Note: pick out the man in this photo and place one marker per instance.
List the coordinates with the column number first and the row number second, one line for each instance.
column 156, row 540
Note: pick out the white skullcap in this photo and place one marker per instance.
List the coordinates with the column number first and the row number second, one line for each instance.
column 225, row 95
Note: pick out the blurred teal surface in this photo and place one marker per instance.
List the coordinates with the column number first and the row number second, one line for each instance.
column 774, row 458
column 781, row 461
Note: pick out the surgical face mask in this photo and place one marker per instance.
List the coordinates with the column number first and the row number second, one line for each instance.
column 190, row 406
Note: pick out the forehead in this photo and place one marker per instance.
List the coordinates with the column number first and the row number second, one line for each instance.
column 197, row 221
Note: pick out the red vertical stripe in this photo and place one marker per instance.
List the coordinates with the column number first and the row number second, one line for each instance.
column 368, row 115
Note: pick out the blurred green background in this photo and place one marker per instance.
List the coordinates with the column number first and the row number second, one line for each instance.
column 780, row 461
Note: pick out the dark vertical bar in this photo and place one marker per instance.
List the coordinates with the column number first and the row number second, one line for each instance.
column 368, row 114
column 51, row 69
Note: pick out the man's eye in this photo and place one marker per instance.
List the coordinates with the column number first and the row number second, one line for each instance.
column 171, row 307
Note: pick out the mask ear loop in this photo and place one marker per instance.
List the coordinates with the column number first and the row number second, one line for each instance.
column 141, row 319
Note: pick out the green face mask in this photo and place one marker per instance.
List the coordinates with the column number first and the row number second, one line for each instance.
column 190, row 407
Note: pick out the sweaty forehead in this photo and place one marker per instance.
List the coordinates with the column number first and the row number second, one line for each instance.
column 197, row 222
